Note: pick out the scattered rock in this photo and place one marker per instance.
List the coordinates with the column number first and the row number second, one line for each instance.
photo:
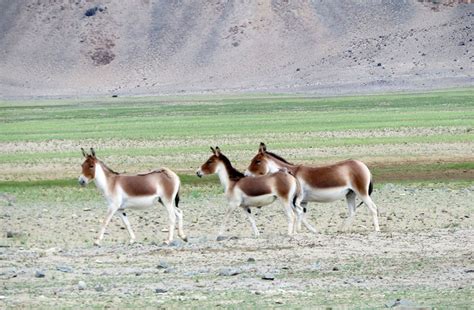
column 316, row 266
column 229, row 272
column 469, row 271
column 39, row 274
column 91, row 12
column 9, row 234
column 268, row 276
column 99, row 288
column 251, row 260
column 221, row 238
column 81, row 285
column 114, row 96
column 66, row 269
column 335, row 268
column 400, row 302
column 162, row 265
column 169, row 270
column 379, row 64
column 176, row 243
column 160, row 290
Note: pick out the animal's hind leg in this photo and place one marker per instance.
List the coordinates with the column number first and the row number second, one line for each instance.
column 179, row 216
column 125, row 221
column 303, row 219
column 248, row 212
column 351, row 209
column 373, row 209
column 292, row 217
column 171, row 220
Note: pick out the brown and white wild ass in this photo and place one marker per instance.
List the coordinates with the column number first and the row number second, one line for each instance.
column 133, row 192
column 347, row 179
column 247, row 192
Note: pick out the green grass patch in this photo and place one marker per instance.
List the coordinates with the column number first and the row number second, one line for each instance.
column 235, row 122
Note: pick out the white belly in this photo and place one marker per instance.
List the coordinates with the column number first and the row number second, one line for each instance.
column 325, row 194
column 258, row 201
column 139, row 202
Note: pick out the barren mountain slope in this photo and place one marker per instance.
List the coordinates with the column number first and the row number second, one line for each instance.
column 88, row 47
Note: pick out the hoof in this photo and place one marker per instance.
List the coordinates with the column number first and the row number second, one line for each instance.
column 132, row 241
column 185, row 238
column 166, row 242
column 97, row 243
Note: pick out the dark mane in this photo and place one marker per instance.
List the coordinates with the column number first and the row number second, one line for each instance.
column 107, row 168
column 278, row 157
column 234, row 174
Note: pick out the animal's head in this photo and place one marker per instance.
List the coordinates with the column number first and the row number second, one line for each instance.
column 212, row 163
column 260, row 162
column 88, row 167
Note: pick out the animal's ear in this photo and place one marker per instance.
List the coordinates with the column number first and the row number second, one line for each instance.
column 213, row 151
column 92, row 152
column 83, row 152
column 262, row 148
column 218, row 151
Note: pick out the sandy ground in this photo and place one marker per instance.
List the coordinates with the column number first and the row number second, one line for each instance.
column 423, row 254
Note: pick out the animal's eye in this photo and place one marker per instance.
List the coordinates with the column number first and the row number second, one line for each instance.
column 209, row 161
column 258, row 162
column 91, row 167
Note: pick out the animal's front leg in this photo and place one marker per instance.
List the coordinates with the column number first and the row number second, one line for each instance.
column 110, row 212
column 229, row 210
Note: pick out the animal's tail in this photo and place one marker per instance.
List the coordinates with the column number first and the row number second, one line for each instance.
column 298, row 193
column 371, row 189
column 176, row 199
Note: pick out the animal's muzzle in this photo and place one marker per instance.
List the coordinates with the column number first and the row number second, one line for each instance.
column 199, row 173
column 82, row 181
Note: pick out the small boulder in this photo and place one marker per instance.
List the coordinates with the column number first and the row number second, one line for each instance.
column 268, row 277
column 160, row 290
column 66, row 269
column 81, row 285
column 99, row 288
column 229, row 272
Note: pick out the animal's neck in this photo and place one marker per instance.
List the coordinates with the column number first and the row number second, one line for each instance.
column 223, row 176
column 102, row 177
column 276, row 164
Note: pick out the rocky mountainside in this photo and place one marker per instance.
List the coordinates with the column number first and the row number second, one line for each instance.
column 134, row 47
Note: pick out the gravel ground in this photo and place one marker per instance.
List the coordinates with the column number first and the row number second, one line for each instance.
column 422, row 254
